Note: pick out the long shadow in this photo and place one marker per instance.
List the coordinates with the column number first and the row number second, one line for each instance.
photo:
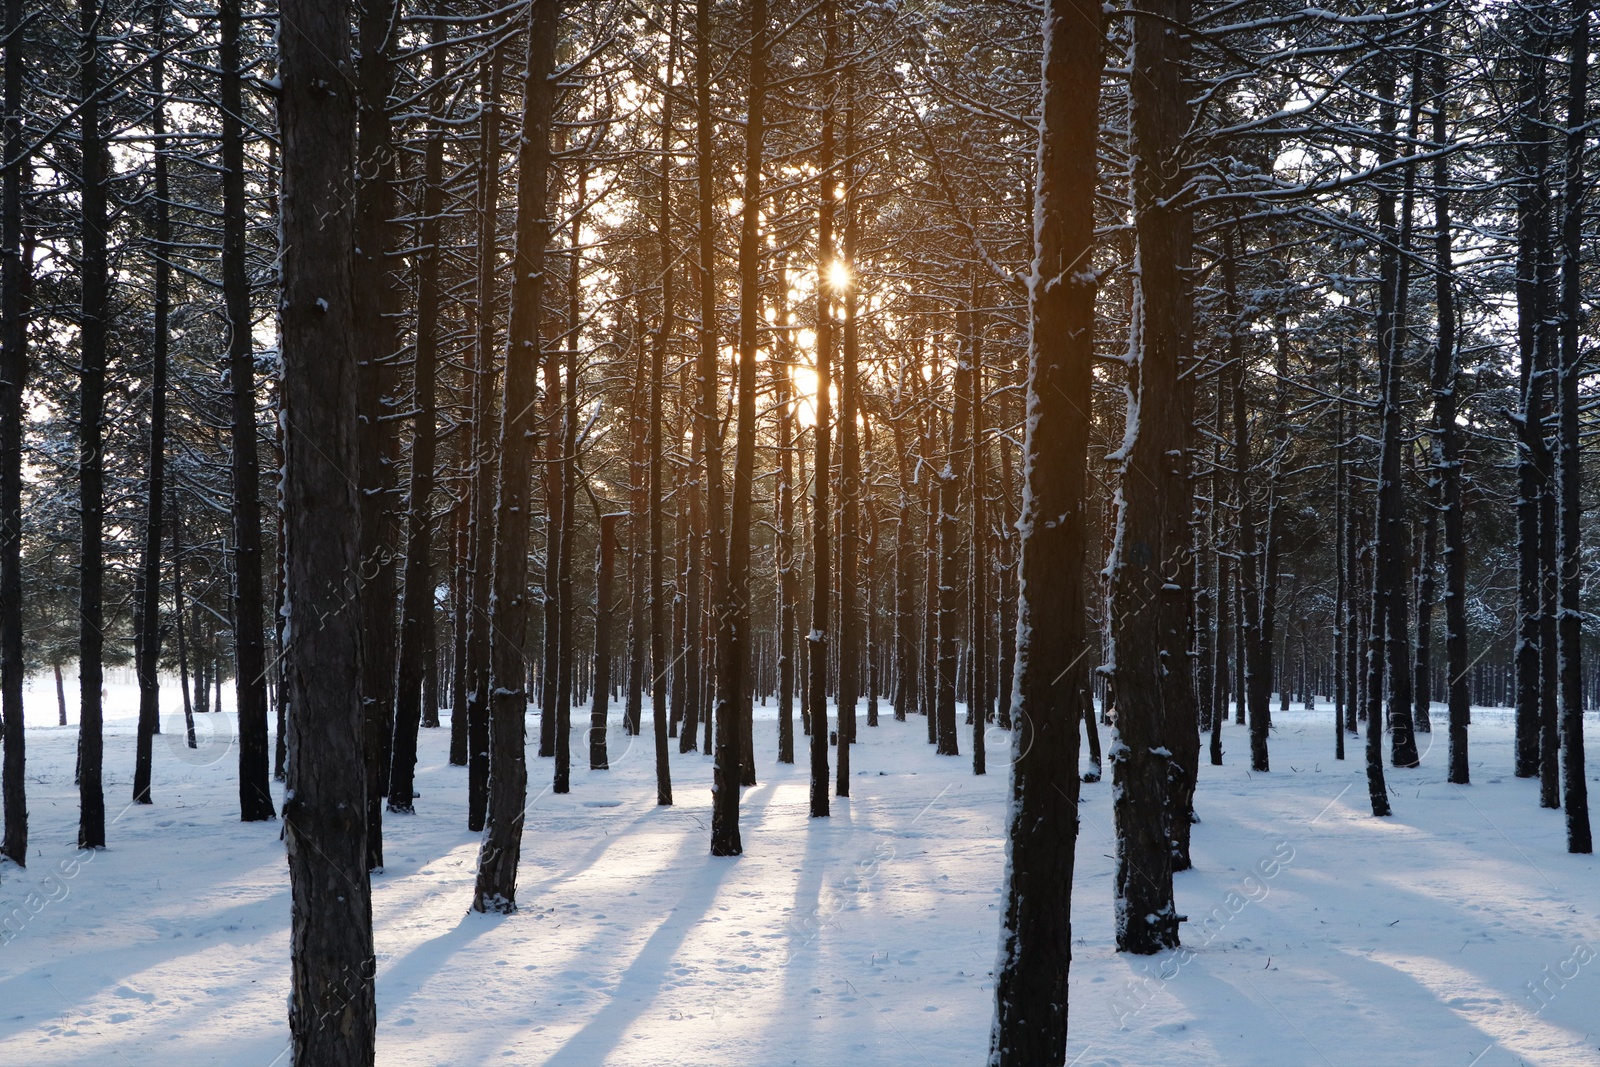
column 405, row 976
column 409, row 972
column 601, row 1035
column 255, row 919
column 804, row 926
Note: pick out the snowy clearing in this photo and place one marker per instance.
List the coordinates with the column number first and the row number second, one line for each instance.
column 1457, row 932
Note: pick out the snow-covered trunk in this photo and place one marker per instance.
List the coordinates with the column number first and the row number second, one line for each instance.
column 1447, row 432
column 1569, row 469
column 332, row 1014
column 1386, row 533
column 1253, row 690
column 13, row 370
column 91, row 413
column 952, row 541
column 1008, row 584
column 376, row 310
column 930, row 555
column 566, row 653
column 147, row 645
column 907, row 665
column 1148, row 567
column 1392, row 559
column 495, row 888
column 604, row 612
column 1222, row 590
column 1030, row 1025
column 638, row 529
column 1341, row 563
column 1533, row 340
column 821, row 517
column 481, row 469
column 460, row 598
column 788, row 579
column 850, row 637
column 660, row 669
column 1422, row 653
column 715, row 535
column 416, row 606
column 978, row 706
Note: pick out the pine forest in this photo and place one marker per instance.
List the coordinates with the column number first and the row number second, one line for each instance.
column 626, row 532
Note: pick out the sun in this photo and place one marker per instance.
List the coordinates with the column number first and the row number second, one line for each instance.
column 838, row 275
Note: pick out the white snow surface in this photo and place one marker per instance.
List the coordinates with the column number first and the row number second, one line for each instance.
column 1456, row 932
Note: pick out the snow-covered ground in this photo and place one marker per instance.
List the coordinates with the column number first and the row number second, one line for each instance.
column 1457, row 932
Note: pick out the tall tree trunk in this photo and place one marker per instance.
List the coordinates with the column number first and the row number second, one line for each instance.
column 932, row 512
column 659, row 667
column 1422, row 654
column 605, row 604
column 1569, row 562
column 1030, row 1025
column 13, row 373
column 1008, row 583
column 177, row 618
column 978, row 577
column 566, row 658
column 1447, row 431
column 817, row 643
column 1148, row 565
column 481, row 469
column 788, row 583
column 1389, row 632
column 376, row 307
column 460, row 599
column 1255, row 693
column 1223, row 591
column 417, row 608
column 849, row 456
column 332, row 1013
column 1533, row 223
column 249, row 622
column 147, row 654
column 91, row 412
column 908, row 666
column 638, row 531
column 1341, row 564
column 496, row 885
column 950, row 545
column 733, row 631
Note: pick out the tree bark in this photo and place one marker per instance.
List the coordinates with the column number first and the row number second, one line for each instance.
column 13, row 374
column 1533, row 336
column 332, row 1013
column 1255, row 694
column 496, row 885
column 1148, row 566
column 788, row 578
column 481, row 469
column 147, row 653
column 821, row 518
column 1569, row 469
column 605, row 604
column 733, row 632
column 849, row 456
column 375, row 337
column 416, row 607
column 1447, row 433
column 249, row 630
column 659, row 665
column 951, row 543
column 1030, row 1025
column 91, row 412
